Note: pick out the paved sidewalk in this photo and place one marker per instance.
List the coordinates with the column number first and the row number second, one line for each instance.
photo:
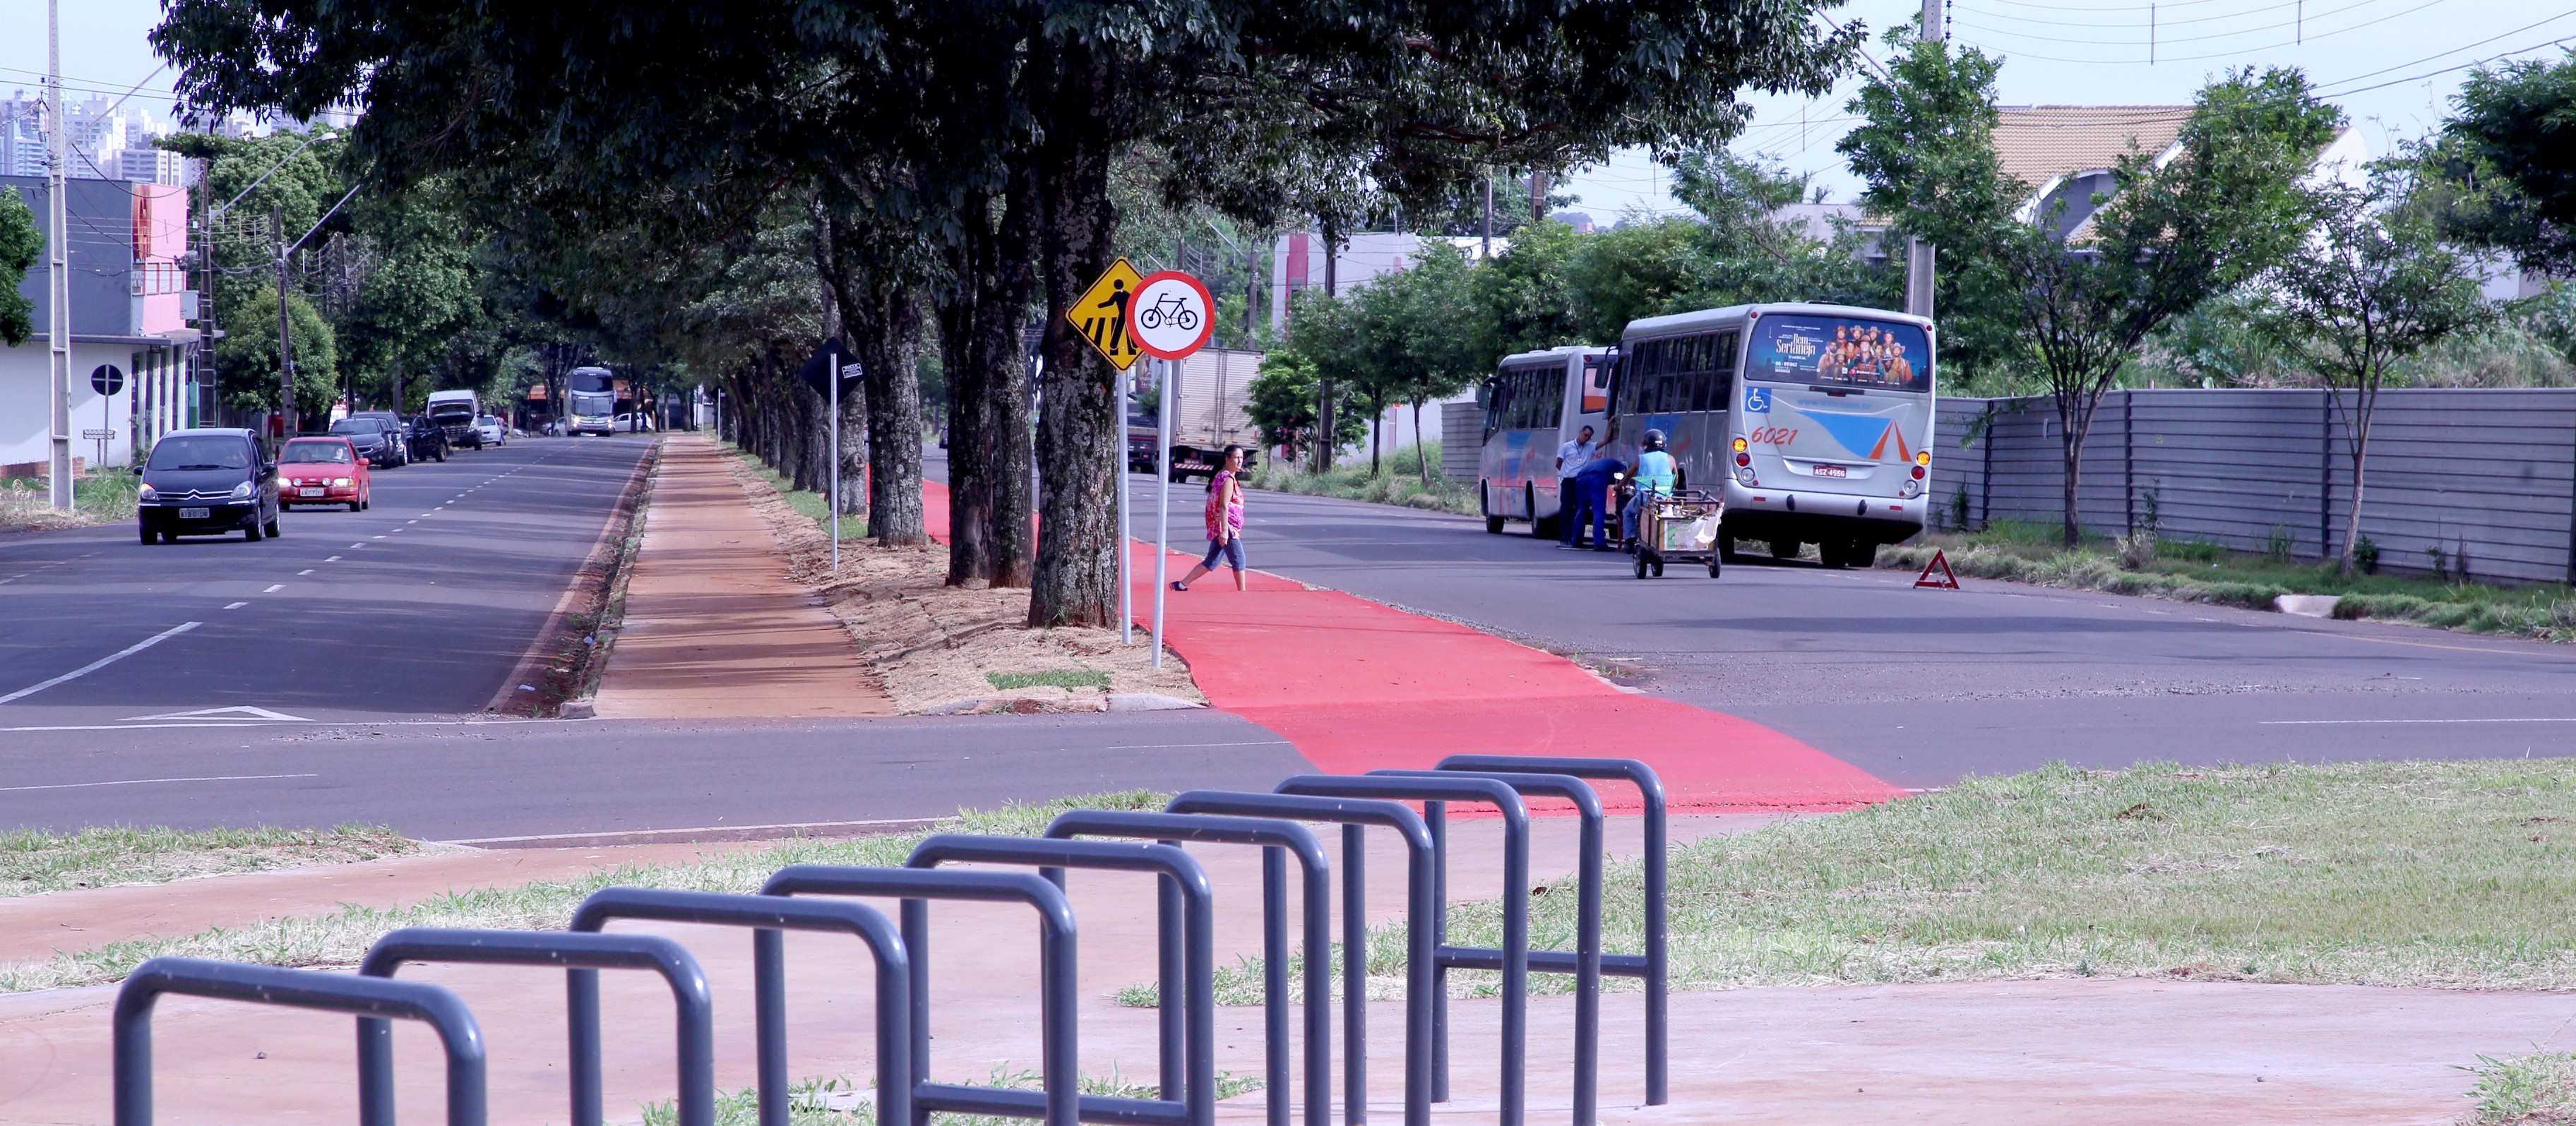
column 713, row 626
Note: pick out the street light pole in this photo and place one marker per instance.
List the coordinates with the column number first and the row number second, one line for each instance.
column 58, row 273
column 1919, row 255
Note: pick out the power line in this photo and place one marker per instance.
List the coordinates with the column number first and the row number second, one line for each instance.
column 2452, row 51
column 2159, row 22
column 2222, row 54
column 2453, row 67
column 2198, row 38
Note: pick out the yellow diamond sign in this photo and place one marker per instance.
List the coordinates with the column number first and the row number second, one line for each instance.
column 1100, row 314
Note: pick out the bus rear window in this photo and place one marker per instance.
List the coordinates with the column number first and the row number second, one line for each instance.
column 1839, row 352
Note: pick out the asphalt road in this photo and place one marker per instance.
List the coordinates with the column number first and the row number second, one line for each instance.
column 1923, row 687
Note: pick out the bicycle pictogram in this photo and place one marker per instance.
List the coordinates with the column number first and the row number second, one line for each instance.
column 1172, row 308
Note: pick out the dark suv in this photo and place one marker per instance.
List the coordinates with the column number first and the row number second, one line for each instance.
column 427, row 440
column 207, row 483
column 378, row 441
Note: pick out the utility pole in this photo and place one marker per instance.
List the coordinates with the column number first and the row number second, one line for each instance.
column 285, row 336
column 58, row 272
column 1538, row 190
column 1918, row 253
column 1489, row 216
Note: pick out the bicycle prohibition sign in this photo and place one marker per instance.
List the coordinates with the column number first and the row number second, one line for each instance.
column 1171, row 316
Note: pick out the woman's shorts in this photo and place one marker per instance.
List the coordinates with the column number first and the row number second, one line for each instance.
column 1229, row 550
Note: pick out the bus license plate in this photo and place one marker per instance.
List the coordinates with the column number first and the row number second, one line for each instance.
column 1832, row 471
column 195, row 513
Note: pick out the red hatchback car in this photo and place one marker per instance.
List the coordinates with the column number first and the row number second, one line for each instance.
column 322, row 471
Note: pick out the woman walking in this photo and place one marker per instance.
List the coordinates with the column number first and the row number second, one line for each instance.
column 1224, row 521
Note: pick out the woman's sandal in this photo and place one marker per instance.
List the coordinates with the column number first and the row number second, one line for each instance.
column 1179, row 585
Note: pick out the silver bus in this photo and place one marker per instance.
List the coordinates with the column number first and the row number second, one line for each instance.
column 1534, row 403
column 1814, row 422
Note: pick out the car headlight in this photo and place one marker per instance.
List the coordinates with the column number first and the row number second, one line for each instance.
column 344, row 482
column 245, row 491
column 147, row 493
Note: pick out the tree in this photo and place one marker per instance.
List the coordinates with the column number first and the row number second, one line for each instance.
column 1282, row 401
column 246, row 358
column 2373, row 286
column 2180, row 228
column 2509, row 157
column 20, row 243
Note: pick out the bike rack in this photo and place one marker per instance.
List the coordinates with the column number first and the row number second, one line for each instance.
column 1515, row 949
column 1059, row 1098
column 1354, row 815
column 771, row 917
column 1277, row 839
column 1584, row 959
column 697, row 1099
column 1654, row 966
column 300, row 989
column 1185, row 910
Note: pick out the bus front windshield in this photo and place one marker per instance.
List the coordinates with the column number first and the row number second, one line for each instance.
column 1836, row 352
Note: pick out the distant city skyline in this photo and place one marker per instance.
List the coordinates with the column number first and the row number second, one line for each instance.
column 2392, row 65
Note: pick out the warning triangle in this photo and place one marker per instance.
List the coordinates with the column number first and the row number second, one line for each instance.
column 245, row 712
column 1947, row 581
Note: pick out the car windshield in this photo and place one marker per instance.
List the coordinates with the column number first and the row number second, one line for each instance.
column 207, row 451
column 330, row 452
column 354, row 426
column 448, row 410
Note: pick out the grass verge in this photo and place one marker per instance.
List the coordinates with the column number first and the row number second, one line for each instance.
column 341, row 938
column 2534, row 1090
column 98, row 498
column 1398, row 482
column 1062, row 678
column 808, row 503
column 33, row 861
column 2441, row 874
column 2185, row 571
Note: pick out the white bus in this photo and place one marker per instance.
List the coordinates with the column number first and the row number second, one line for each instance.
column 1814, row 422
column 1535, row 402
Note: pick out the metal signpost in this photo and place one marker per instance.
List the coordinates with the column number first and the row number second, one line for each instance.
column 1170, row 316
column 107, row 380
column 1100, row 316
column 835, row 503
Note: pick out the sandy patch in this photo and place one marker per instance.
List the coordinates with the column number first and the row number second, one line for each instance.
column 935, row 647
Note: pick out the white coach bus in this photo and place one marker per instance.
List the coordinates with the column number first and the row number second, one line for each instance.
column 1534, row 403
column 1814, row 422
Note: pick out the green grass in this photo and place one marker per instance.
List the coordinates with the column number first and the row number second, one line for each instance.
column 2442, row 874
column 842, row 1101
column 341, row 938
column 37, row 860
column 1398, row 481
column 98, row 498
column 1061, row 678
column 812, row 505
column 2021, row 551
column 2533, row 1090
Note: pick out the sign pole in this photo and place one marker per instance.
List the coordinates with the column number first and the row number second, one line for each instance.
column 1163, row 510
column 833, row 505
column 1126, row 537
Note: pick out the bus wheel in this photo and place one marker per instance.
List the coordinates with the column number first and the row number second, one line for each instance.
column 1864, row 553
column 1493, row 525
column 1784, row 549
column 1834, row 554
column 1485, row 502
column 1529, row 504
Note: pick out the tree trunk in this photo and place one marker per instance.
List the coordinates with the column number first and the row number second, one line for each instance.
column 989, row 486
column 814, row 440
column 1421, row 453
column 1377, row 418
column 1076, row 582
column 831, row 266
column 889, row 354
column 2358, row 446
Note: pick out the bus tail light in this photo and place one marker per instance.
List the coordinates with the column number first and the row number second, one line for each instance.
column 1741, row 446
column 1918, row 472
column 1743, row 459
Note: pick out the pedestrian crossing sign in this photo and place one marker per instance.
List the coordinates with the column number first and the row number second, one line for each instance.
column 1100, row 314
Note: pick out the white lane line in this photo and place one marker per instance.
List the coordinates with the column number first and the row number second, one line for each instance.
column 103, row 662
column 154, row 781
column 2342, row 722
column 356, row 546
column 309, row 570
column 333, row 559
column 274, row 588
column 235, row 605
column 381, row 537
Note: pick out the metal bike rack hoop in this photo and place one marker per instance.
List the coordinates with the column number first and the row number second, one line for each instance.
column 770, row 918
column 1277, row 838
column 1514, row 1076
column 696, row 1036
column 1059, row 1098
column 1584, row 961
column 1354, row 815
column 299, row 989
column 1185, row 909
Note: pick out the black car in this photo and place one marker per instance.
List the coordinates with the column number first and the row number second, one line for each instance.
column 395, row 423
column 377, row 441
column 207, row 483
column 426, row 440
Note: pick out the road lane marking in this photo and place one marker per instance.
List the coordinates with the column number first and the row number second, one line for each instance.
column 333, row 559
column 274, row 588
column 243, row 712
column 306, row 571
column 235, row 605
column 152, row 781
column 369, row 537
column 2335, row 722
column 103, row 662
column 356, row 546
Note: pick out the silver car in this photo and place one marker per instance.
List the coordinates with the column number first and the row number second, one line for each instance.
column 492, row 430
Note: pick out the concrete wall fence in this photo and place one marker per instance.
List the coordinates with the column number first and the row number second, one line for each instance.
column 2486, row 476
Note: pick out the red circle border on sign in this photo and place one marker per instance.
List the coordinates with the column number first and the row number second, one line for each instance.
column 1206, row 300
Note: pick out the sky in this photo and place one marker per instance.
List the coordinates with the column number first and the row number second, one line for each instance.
column 2392, row 65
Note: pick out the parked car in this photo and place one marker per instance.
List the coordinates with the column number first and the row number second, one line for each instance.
column 320, row 471
column 394, row 423
column 380, row 444
column 207, row 483
column 492, row 431
column 426, row 440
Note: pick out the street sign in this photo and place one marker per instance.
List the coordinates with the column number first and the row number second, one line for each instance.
column 99, row 435
column 817, row 372
column 1100, row 314
column 1172, row 315
column 106, row 379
